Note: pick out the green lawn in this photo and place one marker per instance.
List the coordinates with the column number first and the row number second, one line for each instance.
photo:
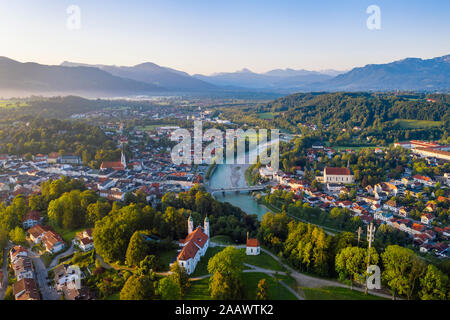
column 276, row 290
column 416, row 124
column 167, row 257
column 222, row 240
column 151, row 127
column 199, row 290
column 263, row 260
column 336, row 293
column 7, row 104
column 202, row 267
column 114, row 296
column 268, row 115
column 67, row 235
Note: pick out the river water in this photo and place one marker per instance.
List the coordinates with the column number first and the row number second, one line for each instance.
column 232, row 176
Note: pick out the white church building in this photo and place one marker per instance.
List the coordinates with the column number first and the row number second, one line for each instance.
column 194, row 246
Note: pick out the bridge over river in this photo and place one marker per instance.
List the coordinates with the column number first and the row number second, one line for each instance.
column 237, row 189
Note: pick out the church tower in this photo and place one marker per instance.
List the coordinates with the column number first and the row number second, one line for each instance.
column 123, row 161
column 190, row 224
column 206, row 226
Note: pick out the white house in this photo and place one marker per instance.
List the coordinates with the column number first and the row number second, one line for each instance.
column 253, row 248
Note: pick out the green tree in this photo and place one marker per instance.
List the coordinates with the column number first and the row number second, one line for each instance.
column 227, row 262
column 262, row 291
column 17, row 235
column 179, row 275
column 402, row 269
column 138, row 248
column 434, row 285
column 138, row 288
column 169, row 289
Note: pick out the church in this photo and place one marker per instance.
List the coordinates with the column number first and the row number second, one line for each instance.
column 115, row 165
column 194, row 246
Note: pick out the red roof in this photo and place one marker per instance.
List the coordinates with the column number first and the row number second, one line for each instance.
column 116, row 165
column 338, row 171
column 32, row 215
column 252, row 242
column 188, row 252
column 198, row 237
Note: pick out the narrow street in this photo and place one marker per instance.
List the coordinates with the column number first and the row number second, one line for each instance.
column 5, row 274
column 55, row 260
column 47, row 291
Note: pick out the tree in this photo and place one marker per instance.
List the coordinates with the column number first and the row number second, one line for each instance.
column 3, row 239
column 17, row 235
column 138, row 288
column 180, row 277
column 226, row 267
column 224, row 287
column 227, row 262
column 351, row 263
column 137, row 248
column 149, row 264
column 262, row 291
column 434, row 285
column 169, row 289
column 402, row 270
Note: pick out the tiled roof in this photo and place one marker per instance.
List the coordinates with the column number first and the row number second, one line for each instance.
column 252, row 242
column 198, row 237
column 188, row 252
column 337, row 171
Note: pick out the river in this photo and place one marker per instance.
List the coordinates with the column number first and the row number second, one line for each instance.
column 232, row 176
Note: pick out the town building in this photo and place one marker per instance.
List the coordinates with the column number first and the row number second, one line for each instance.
column 194, row 246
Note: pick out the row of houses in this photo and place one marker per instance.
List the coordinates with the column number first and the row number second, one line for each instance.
column 25, row 287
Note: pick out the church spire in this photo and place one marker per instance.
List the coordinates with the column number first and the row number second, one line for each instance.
column 123, row 161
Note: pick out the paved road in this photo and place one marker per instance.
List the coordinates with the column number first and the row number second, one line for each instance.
column 48, row 292
column 66, row 253
column 5, row 274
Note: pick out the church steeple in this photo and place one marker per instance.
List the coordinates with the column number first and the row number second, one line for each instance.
column 206, row 226
column 123, row 161
column 190, row 224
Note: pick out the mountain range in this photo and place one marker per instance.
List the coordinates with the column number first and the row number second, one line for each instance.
column 20, row 79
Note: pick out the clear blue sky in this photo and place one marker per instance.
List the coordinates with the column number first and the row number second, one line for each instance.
column 206, row 36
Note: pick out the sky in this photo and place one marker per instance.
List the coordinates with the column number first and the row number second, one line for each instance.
column 208, row 36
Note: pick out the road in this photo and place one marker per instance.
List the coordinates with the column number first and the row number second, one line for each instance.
column 48, row 292
column 5, row 274
column 55, row 260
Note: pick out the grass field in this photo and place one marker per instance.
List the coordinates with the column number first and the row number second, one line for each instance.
column 67, row 235
column 199, row 289
column 202, row 266
column 114, row 296
column 268, row 115
column 150, row 127
column 416, row 124
column 12, row 104
column 222, row 239
column 167, row 257
column 263, row 260
column 339, row 148
column 336, row 293
column 276, row 290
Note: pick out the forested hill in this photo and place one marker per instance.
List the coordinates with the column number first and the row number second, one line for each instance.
column 357, row 109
